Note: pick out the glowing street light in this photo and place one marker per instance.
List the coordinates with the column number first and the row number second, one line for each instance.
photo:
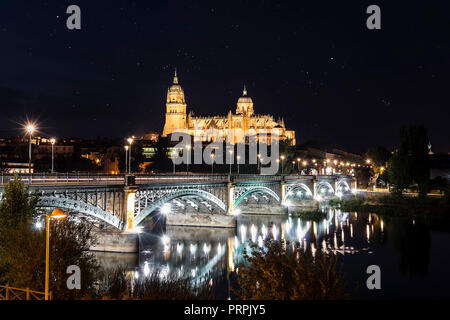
column 230, row 152
column 130, row 141
column 52, row 141
column 238, row 157
column 259, row 161
column 282, row 164
column 126, row 158
column 30, row 128
column 298, row 164
column 212, row 163
column 56, row 214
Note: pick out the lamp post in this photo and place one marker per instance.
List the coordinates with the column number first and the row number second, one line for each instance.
column 30, row 129
column 298, row 165
column 188, row 148
column 230, row 152
column 259, row 161
column 173, row 159
column 52, row 141
column 212, row 163
column 278, row 162
column 282, row 164
column 56, row 214
column 126, row 159
column 130, row 141
column 238, row 157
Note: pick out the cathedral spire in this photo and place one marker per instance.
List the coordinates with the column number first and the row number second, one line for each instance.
column 175, row 78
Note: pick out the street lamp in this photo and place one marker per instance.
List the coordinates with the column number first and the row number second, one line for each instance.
column 56, row 214
column 130, row 141
column 174, row 153
column 230, row 152
column 282, row 164
column 52, row 141
column 188, row 148
column 30, row 129
column 298, row 165
column 212, row 163
column 238, row 157
column 126, row 158
column 259, row 161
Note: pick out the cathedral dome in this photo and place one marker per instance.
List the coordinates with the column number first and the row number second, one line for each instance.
column 245, row 98
column 244, row 104
column 175, row 93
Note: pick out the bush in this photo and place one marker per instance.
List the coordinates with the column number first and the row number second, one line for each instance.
column 119, row 284
column 276, row 274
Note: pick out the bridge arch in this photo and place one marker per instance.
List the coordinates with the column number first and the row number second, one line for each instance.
column 294, row 188
column 342, row 185
column 178, row 194
column 81, row 207
column 324, row 185
column 256, row 189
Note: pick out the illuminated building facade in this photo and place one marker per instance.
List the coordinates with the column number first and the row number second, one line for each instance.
column 262, row 126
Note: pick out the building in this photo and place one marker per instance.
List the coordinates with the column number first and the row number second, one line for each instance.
column 177, row 120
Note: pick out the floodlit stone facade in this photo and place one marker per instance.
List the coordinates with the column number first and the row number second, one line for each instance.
column 248, row 123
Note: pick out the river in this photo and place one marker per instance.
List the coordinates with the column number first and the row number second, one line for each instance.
column 413, row 256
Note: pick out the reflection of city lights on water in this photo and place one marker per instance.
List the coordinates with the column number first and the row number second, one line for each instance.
column 146, row 269
column 274, row 232
column 165, row 240
column 219, row 248
column 382, row 225
column 179, row 248
column 243, row 233
column 351, row 230
column 301, row 232
column 260, row 241
column 368, row 232
column 193, row 248
column 315, row 229
column 206, row 248
column 264, row 231
column 253, row 231
column 313, row 249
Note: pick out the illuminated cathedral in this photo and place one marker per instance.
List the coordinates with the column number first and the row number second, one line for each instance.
column 245, row 119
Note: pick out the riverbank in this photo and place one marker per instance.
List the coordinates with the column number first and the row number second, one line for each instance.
column 435, row 208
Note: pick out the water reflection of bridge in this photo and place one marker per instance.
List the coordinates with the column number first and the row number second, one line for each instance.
column 202, row 254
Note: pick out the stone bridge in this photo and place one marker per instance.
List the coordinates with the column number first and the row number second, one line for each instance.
column 124, row 202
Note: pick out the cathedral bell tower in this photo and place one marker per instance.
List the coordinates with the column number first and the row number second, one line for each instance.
column 175, row 108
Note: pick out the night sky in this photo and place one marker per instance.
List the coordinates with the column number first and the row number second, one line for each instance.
column 312, row 62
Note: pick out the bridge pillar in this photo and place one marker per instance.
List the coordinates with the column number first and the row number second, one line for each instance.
column 129, row 203
column 314, row 190
column 283, row 192
column 230, row 197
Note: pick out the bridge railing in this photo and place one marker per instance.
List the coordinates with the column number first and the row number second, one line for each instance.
column 108, row 179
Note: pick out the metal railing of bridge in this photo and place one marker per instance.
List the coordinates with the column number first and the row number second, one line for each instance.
column 108, row 179
column 11, row 293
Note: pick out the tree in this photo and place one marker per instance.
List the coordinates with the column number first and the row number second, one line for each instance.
column 420, row 166
column 160, row 160
column 410, row 164
column 22, row 247
column 379, row 156
column 277, row 274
